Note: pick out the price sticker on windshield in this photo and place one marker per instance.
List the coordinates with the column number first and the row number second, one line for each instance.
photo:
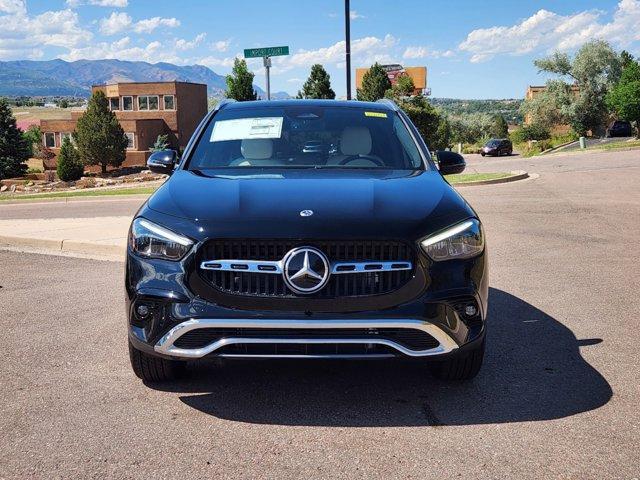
column 246, row 128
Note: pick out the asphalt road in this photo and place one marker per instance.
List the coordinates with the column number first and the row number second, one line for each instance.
column 558, row 396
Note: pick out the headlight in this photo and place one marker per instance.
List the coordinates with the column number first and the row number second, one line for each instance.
column 464, row 240
column 153, row 241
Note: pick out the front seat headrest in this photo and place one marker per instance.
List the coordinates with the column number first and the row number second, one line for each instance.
column 355, row 141
column 256, row 148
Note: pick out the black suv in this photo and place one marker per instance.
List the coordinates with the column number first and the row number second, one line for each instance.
column 306, row 229
column 620, row 128
column 497, row 146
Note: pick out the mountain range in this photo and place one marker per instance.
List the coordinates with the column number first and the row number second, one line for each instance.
column 61, row 78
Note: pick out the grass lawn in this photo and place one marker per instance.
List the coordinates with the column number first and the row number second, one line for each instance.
column 617, row 145
column 475, row 177
column 82, row 193
column 41, row 113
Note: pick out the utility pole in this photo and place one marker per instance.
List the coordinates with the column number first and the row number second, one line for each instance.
column 347, row 35
column 267, row 67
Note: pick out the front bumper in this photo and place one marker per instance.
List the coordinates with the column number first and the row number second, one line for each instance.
column 179, row 302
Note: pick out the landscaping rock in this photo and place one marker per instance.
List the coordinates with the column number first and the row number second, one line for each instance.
column 12, row 188
column 3, row 188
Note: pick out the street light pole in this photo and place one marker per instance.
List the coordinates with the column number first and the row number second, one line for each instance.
column 347, row 35
column 267, row 67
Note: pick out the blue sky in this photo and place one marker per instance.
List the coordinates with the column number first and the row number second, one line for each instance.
column 471, row 48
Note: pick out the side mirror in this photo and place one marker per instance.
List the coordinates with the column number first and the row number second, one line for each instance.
column 450, row 162
column 163, row 161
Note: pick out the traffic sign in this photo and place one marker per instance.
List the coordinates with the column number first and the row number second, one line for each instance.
column 265, row 52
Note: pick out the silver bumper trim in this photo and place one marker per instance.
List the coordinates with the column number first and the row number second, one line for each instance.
column 166, row 345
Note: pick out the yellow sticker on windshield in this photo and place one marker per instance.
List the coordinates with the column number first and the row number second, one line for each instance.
column 375, row 114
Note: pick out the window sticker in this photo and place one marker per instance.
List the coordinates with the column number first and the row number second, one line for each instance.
column 247, row 128
column 375, row 114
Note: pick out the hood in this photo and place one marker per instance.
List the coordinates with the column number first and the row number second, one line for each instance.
column 267, row 204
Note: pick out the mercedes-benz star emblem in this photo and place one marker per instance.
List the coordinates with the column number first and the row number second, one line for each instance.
column 306, row 213
column 306, row 270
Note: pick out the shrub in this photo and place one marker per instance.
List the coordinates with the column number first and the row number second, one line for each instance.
column 162, row 143
column 69, row 165
column 530, row 132
column 14, row 149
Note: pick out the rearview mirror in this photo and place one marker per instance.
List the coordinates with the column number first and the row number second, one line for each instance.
column 450, row 162
column 163, row 161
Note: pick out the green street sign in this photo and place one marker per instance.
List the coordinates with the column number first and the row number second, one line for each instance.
column 265, row 52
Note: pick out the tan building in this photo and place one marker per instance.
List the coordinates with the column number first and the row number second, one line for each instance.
column 144, row 110
column 417, row 74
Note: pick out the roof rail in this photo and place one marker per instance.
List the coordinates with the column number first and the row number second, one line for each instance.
column 223, row 102
column 390, row 103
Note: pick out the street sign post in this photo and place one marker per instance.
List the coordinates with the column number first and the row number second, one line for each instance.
column 266, row 54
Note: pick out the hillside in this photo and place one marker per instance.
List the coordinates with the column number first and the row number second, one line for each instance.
column 57, row 77
column 508, row 108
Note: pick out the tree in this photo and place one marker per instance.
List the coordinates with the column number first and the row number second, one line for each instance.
column 99, row 137
column 69, row 165
column 624, row 97
column 14, row 149
column 433, row 127
column 64, row 103
column 240, row 82
column 499, row 129
column 375, row 84
column 33, row 136
column 595, row 68
column 403, row 88
column 626, row 58
column 318, row 85
column 161, row 143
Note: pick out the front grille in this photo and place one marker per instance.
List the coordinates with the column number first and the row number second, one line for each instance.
column 410, row 338
column 344, row 285
column 279, row 349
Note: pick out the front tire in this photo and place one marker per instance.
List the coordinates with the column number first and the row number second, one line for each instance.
column 154, row 369
column 460, row 367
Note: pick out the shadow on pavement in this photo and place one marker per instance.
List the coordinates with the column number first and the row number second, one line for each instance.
column 533, row 371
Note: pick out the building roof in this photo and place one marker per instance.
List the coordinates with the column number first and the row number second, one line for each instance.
column 147, row 83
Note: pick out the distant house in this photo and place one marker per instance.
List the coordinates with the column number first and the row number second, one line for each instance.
column 144, row 110
column 535, row 90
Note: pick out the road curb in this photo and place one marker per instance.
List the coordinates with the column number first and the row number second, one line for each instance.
column 66, row 246
column 516, row 175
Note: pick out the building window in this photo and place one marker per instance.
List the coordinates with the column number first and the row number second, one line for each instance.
column 131, row 137
column 114, row 103
column 127, row 103
column 65, row 135
column 169, row 103
column 148, row 102
column 50, row 140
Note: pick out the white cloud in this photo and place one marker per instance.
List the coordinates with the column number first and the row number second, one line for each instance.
column 546, row 31
column 150, row 24
column 221, row 45
column 13, row 6
column 115, row 23
column 364, row 51
column 98, row 3
column 353, row 15
column 182, row 44
column 294, row 80
column 22, row 35
column 211, row 61
column 123, row 49
column 424, row 52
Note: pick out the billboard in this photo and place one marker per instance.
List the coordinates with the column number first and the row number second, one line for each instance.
column 395, row 71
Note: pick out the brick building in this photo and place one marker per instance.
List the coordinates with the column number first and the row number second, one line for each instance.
column 144, row 110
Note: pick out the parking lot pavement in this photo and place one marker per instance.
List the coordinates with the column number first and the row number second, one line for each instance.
column 558, row 396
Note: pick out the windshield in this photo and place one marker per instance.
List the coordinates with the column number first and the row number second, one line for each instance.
column 306, row 136
column 493, row 143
